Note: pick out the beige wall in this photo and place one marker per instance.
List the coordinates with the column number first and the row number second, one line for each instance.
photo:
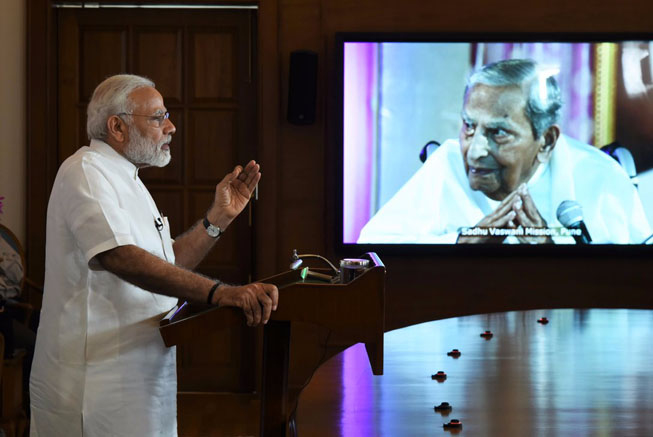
column 12, row 115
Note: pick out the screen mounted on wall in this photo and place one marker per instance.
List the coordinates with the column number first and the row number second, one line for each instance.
column 514, row 140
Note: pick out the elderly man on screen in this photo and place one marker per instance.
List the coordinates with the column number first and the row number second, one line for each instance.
column 510, row 171
column 112, row 272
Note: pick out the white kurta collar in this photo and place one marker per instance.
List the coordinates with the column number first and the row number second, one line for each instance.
column 106, row 150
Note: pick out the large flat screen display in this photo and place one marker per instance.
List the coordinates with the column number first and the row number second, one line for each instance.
column 473, row 140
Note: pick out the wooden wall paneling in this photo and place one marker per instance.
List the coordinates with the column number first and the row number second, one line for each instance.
column 266, row 217
column 433, row 288
column 212, row 135
column 68, row 76
column 158, row 55
column 301, row 187
column 221, row 107
column 479, row 16
column 214, row 80
column 103, row 53
column 41, row 128
column 247, row 132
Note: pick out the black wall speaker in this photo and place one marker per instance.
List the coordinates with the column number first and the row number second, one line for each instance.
column 302, row 87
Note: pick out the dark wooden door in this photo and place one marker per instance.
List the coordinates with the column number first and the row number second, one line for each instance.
column 202, row 63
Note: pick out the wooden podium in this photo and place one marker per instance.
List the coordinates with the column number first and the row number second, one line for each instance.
column 236, row 380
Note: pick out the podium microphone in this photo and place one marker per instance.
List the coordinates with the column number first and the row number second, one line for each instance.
column 296, row 260
column 570, row 214
column 295, row 264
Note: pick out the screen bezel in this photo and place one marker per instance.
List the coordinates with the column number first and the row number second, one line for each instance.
column 501, row 250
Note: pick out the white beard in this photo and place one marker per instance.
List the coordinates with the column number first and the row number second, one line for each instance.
column 142, row 150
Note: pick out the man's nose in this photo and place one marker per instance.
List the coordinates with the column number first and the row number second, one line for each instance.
column 169, row 127
column 478, row 148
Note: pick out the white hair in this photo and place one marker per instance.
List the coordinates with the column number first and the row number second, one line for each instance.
column 543, row 97
column 111, row 97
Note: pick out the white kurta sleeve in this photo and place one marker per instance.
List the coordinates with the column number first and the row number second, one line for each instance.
column 93, row 211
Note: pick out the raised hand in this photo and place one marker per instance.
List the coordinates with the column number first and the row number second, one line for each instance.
column 233, row 192
column 516, row 210
column 528, row 216
column 502, row 217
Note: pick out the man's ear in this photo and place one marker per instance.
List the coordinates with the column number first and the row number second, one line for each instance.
column 549, row 140
column 116, row 129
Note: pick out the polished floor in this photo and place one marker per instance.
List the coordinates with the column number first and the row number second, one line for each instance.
column 585, row 373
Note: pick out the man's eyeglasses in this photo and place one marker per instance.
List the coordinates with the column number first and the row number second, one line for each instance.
column 159, row 119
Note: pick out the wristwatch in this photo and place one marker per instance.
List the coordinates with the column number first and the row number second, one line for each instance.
column 213, row 231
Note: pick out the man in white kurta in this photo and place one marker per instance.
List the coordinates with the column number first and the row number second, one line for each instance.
column 112, row 272
column 98, row 344
column 437, row 201
column 509, row 171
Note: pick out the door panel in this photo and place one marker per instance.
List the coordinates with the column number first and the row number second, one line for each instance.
column 211, row 134
column 103, row 53
column 212, row 80
column 159, row 50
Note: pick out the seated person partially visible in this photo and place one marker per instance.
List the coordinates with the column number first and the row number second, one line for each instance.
column 510, row 169
column 11, row 271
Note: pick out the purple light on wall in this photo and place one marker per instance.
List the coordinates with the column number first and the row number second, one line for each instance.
column 360, row 84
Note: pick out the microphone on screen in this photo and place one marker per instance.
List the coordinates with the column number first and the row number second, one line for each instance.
column 570, row 214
